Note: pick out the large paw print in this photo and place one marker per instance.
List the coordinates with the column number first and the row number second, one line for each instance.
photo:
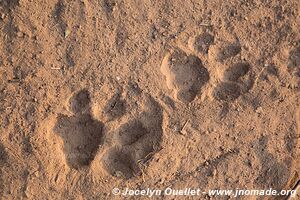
column 81, row 134
column 185, row 75
column 134, row 142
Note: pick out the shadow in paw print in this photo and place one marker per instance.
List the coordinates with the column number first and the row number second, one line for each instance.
column 3, row 155
column 294, row 63
column 81, row 134
column 229, row 51
column 130, row 133
column 58, row 15
column 236, row 81
column 3, row 161
column 202, row 43
column 273, row 174
column 227, row 91
column 294, row 58
column 80, row 103
column 185, row 75
column 135, row 142
column 9, row 4
column 236, row 71
column 120, row 163
column 109, row 6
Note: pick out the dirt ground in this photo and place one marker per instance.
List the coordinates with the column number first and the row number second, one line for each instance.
column 103, row 94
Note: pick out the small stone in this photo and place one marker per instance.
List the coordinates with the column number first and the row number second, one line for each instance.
column 259, row 110
column 211, row 130
column 214, row 172
column 37, row 174
column 67, row 32
column 20, row 34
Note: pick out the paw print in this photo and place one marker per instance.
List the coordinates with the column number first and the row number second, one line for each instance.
column 186, row 75
column 80, row 132
column 134, row 142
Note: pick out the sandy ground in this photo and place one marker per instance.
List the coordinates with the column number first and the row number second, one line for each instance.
column 99, row 94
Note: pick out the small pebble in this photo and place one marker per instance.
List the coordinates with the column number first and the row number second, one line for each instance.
column 67, row 33
column 259, row 110
column 20, row 34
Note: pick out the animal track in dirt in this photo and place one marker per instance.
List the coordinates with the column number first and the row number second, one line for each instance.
column 109, row 6
column 134, row 142
column 130, row 133
column 233, row 83
column 227, row 91
column 235, row 72
column 229, row 51
column 3, row 155
column 294, row 58
column 81, row 134
column 121, row 37
column 69, row 20
column 273, row 174
column 119, row 162
column 185, row 75
column 9, row 4
column 294, row 64
column 202, row 42
column 58, row 12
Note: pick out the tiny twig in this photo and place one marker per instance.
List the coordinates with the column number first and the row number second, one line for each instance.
column 203, row 24
column 184, row 126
